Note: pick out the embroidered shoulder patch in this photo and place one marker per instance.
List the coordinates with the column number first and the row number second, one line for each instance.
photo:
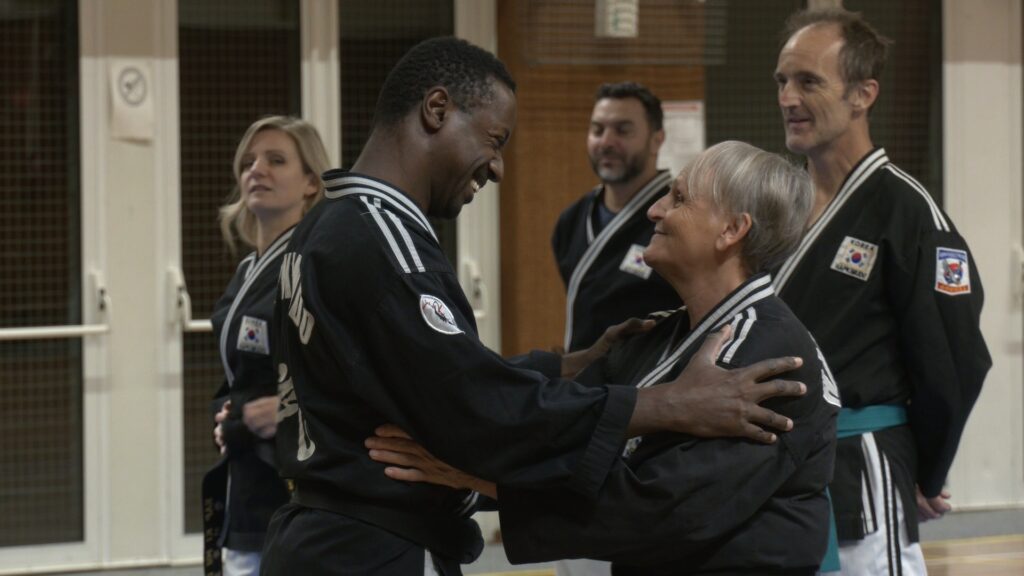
column 952, row 272
column 252, row 336
column 437, row 315
column 634, row 263
column 855, row 258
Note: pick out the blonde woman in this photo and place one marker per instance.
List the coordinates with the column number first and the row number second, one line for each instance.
column 277, row 170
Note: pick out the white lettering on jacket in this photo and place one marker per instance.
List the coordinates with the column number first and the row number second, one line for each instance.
column 290, row 281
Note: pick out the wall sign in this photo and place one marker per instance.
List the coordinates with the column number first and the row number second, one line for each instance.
column 684, row 134
column 132, row 100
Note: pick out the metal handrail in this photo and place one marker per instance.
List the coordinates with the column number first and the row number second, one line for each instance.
column 183, row 304
column 44, row 332
column 199, row 326
column 67, row 331
column 475, row 288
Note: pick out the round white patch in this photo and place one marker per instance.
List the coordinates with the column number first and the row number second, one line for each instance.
column 437, row 315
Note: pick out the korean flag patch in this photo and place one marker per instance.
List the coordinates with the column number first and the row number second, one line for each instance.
column 437, row 315
column 634, row 263
column 952, row 272
column 252, row 336
column 855, row 258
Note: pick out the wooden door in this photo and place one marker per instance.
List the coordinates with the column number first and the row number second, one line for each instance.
column 546, row 166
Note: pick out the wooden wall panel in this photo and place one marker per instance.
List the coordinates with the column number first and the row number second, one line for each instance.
column 546, row 169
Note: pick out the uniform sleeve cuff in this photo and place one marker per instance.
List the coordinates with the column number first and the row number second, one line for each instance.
column 547, row 363
column 606, row 445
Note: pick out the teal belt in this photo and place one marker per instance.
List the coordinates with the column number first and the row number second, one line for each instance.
column 857, row 421
column 854, row 422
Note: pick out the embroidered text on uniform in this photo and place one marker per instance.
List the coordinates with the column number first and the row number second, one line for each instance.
column 291, row 289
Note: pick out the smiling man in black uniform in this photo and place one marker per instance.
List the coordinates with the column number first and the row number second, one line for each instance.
column 888, row 288
column 373, row 327
column 599, row 241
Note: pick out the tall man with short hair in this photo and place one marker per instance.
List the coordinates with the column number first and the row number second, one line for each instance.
column 372, row 327
column 889, row 289
column 599, row 241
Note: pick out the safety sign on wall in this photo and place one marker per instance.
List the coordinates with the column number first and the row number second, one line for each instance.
column 131, row 90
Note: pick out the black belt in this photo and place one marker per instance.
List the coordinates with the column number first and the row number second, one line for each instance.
column 454, row 537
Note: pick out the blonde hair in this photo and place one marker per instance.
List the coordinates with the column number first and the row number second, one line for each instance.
column 236, row 220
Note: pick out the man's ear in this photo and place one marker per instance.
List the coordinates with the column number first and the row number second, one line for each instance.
column 736, row 229
column 436, row 106
column 657, row 139
column 863, row 96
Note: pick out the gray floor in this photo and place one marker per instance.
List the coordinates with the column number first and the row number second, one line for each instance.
column 956, row 525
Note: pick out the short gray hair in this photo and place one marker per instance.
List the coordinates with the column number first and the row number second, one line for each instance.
column 739, row 178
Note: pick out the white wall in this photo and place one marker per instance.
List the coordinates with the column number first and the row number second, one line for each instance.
column 983, row 153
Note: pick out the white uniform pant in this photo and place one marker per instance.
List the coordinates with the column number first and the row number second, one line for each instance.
column 887, row 550
column 239, row 563
column 583, row 567
column 428, row 564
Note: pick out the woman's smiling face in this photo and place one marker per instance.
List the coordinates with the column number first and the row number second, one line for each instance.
column 686, row 228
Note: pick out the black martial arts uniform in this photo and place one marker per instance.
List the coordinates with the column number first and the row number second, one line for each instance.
column 374, row 328
column 606, row 279
column 683, row 505
column 890, row 291
column 244, row 486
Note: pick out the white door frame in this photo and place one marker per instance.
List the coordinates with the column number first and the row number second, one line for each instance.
column 478, row 235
